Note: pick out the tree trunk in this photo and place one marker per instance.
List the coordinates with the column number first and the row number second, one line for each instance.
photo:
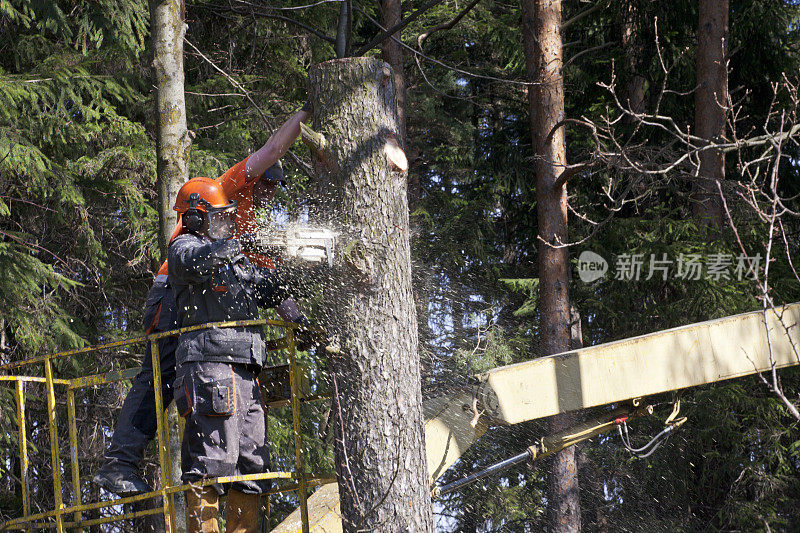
column 391, row 14
column 344, row 29
column 632, row 46
column 172, row 151
column 711, row 101
column 544, row 62
column 172, row 137
column 380, row 446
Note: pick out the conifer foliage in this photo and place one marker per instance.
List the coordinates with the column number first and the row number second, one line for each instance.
column 74, row 169
column 78, row 223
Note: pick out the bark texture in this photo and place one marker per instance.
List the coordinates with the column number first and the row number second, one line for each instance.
column 632, row 45
column 392, row 53
column 544, row 62
column 711, row 101
column 380, row 447
column 172, row 137
column 172, row 152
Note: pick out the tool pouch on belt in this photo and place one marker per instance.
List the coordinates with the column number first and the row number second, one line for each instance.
column 205, row 395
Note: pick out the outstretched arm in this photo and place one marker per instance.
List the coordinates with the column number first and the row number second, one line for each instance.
column 192, row 260
column 275, row 147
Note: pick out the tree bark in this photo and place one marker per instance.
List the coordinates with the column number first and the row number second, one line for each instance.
column 380, row 447
column 632, row 46
column 711, row 101
column 544, row 63
column 392, row 53
column 172, row 137
column 344, row 29
column 172, row 152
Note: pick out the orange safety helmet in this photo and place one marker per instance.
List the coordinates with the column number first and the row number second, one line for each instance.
column 204, row 208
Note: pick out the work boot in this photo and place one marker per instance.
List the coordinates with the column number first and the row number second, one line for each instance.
column 120, row 473
column 121, row 478
column 202, row 509
column 242, row 514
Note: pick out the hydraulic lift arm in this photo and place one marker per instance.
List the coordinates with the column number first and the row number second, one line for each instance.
column 611, row 373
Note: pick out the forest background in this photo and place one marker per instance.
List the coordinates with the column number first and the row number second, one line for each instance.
column 78, row 224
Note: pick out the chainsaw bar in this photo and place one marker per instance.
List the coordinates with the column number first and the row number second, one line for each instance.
column 294, row 241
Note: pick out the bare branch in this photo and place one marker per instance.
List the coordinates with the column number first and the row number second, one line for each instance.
column 583, row 14
column 570, row 171
column 254, row 11
column 446, row 25
column 417, row 53
column 759, row 141
column 588, row 51
column 384, row 34
column 305, row 168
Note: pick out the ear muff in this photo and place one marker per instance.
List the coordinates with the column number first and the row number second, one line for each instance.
column 193, row 218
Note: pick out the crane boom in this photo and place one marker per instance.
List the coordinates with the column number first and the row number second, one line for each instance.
column 668, row 360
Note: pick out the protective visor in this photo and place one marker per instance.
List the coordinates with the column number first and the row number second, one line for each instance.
column 222, row 222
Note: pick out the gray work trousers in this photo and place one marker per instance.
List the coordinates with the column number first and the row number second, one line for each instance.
column 136, row 425
column 225, row 429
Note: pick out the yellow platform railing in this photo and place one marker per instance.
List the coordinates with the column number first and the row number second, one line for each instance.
column 71, row 517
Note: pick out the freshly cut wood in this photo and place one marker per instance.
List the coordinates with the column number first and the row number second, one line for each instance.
column 395, row 154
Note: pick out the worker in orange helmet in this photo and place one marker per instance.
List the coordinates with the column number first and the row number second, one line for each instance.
column 250, row 182
column 215, row 388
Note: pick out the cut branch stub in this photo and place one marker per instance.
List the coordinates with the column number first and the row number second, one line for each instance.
column 395, row 154
column 360, row 263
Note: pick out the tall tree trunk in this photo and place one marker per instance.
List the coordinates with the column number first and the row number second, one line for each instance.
column 392, row 53
column 544, row 62
column 172, row 152
column 711, row 101
column 632, row 46
column 380, row 446
column 172, row 137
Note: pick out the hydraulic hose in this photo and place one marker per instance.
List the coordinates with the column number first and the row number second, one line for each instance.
column 497, row 467
column 554, row 443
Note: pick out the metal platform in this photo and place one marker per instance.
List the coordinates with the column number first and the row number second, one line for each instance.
column 71, row 516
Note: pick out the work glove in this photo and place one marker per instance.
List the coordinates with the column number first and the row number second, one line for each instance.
column 249, row 242
column 226, row 249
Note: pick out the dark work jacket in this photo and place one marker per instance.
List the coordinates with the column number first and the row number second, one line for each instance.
column 215, row 282
column 160, row 312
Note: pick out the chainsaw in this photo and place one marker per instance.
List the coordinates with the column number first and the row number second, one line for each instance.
column 293, row 240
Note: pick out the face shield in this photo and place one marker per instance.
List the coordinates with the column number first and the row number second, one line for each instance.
column 222, row 222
